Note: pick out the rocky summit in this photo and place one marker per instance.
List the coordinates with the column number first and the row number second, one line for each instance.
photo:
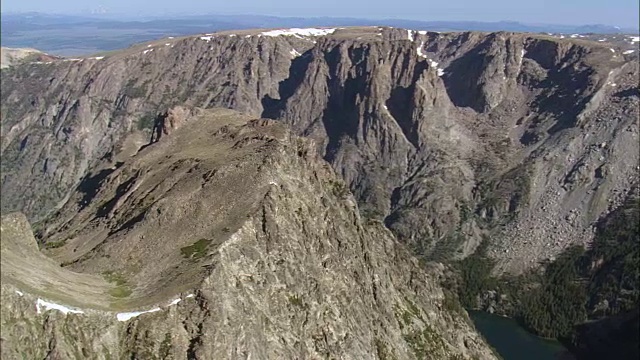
column 272, row 186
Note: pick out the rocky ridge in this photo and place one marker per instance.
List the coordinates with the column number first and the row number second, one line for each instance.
column 249, row 219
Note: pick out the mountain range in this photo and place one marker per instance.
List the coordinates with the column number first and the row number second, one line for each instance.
column 296, row 175
column 71, row 35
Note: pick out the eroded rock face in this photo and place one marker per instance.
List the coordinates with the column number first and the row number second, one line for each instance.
column 445, row 137
column 288, row 268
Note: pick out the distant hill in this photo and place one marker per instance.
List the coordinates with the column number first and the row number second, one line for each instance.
column 13, row 56
column 78, row 35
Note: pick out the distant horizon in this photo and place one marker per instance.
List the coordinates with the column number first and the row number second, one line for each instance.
column 150, row 16
column 621, row 13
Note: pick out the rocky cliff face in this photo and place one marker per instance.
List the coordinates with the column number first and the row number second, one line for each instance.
column 446, row 137
column 240, row 242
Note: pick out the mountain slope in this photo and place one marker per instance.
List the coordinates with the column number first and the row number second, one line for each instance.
column 248, row 218
column 11, row 56
column 19, row 255
column 447, row 137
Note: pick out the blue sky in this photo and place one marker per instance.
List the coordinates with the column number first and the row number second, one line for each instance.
column 571, row 12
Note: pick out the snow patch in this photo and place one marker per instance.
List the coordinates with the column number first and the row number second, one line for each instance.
column 297, row 32
column 561, row 36
column 189, row 296
column 573, row 36
column 167, row 44
column 523, row 52
column 422, row 32
column 432, row 63
column 612, row 50
column 146, row 51
column 601, row 40
column 206, row 38
column 294, row 53
column 98, row 58
column 420, row 53
column 410, row 35
column 19, row 293
column 175, row 302
column 170, row 37
column 130, row 315
column 634, row 39
column 628, row 52
column 53, row 306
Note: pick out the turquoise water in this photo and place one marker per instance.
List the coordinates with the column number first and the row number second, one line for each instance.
column 513, row 342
